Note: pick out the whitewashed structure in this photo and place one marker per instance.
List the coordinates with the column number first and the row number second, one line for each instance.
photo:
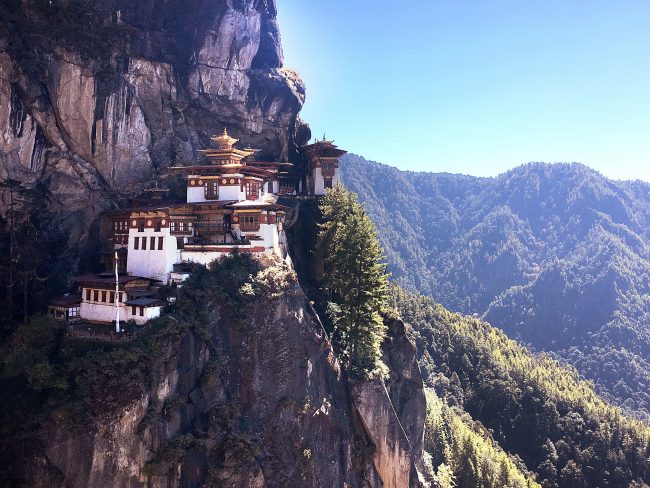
column 136, row 300
column 231, row 206
column 323, row 166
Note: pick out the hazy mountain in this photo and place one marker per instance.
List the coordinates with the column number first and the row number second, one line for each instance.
column 556, row 255
column 538, row 411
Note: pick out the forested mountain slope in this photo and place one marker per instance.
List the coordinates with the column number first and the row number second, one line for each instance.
column 537, row 410
column 558, row 256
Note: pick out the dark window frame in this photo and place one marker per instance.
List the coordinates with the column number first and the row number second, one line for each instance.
column 211, row 190
column 249, row 223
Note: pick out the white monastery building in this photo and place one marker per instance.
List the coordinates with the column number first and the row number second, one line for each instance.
column 231, row 206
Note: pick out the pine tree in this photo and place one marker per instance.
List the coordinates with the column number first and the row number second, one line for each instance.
column 29, row 238
column 354, row 281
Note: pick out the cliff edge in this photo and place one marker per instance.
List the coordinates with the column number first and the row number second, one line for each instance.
column 237, row 387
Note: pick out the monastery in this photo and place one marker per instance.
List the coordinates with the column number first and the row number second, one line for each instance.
column 231, row 206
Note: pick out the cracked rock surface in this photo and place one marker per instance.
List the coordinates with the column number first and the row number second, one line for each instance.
column 98, row 97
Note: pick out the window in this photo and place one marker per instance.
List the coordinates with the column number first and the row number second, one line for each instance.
column 88, row 292
column 157, row 226
column 252, row 190
column 133, row 310
column 96, row 295
column 141, row 311
column 152, row 243
column 212, row 190
column 180, row 228
column 141, row 226
column 73, row 312
column 136, row 243
column 249, row 222
column 144, row 243
column 112, row 299
column 104, row 296
column 160, row 243
column 328, row 182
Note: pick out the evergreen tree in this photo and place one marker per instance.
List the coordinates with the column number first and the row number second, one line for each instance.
column 29, row 240
column 354, row 281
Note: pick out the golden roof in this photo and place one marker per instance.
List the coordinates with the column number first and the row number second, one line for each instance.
column 224, row 141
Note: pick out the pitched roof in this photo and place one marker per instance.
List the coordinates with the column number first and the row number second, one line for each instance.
column 107, row 279
column 143, row 302
column 65, row 300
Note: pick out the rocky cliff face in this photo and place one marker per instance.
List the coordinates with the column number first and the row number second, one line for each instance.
column 98, row 96
column 253, row 404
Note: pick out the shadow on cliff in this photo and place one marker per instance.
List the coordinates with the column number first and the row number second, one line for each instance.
column 237, row 386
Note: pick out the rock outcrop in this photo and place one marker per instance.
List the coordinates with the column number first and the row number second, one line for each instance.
column 97, row 97
column 256, row 404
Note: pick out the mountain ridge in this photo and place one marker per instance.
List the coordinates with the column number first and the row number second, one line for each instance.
column 503, row 173
column 556, row 254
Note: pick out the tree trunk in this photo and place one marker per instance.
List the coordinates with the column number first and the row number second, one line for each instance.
column 25, row 300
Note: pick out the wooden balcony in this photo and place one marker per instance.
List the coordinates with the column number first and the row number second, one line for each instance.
column 209, row 227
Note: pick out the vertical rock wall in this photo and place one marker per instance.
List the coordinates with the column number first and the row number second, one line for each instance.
column 97, row 97
column 266, row 406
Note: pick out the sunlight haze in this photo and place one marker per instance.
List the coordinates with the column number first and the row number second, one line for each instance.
column 477, row 87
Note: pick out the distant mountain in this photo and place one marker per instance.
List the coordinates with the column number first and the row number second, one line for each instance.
column 548, row 421
column 557, row 255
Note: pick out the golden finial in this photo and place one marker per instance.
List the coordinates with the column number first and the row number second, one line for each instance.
column 224, row 141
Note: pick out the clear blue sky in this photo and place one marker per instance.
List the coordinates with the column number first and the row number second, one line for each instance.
column 477, row 87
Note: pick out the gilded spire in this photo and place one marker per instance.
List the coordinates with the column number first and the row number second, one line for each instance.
column 224, row 141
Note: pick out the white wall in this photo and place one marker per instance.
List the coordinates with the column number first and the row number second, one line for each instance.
column 270, row 234
column 195, row 194
column 337, row 177
column 100, row 312
column 231, row 192
column 319, row 181
column 149, row 313
column 105, row 312
column 152, row 263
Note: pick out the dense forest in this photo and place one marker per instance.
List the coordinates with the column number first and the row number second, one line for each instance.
column 551, row 422
column 557, row 255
